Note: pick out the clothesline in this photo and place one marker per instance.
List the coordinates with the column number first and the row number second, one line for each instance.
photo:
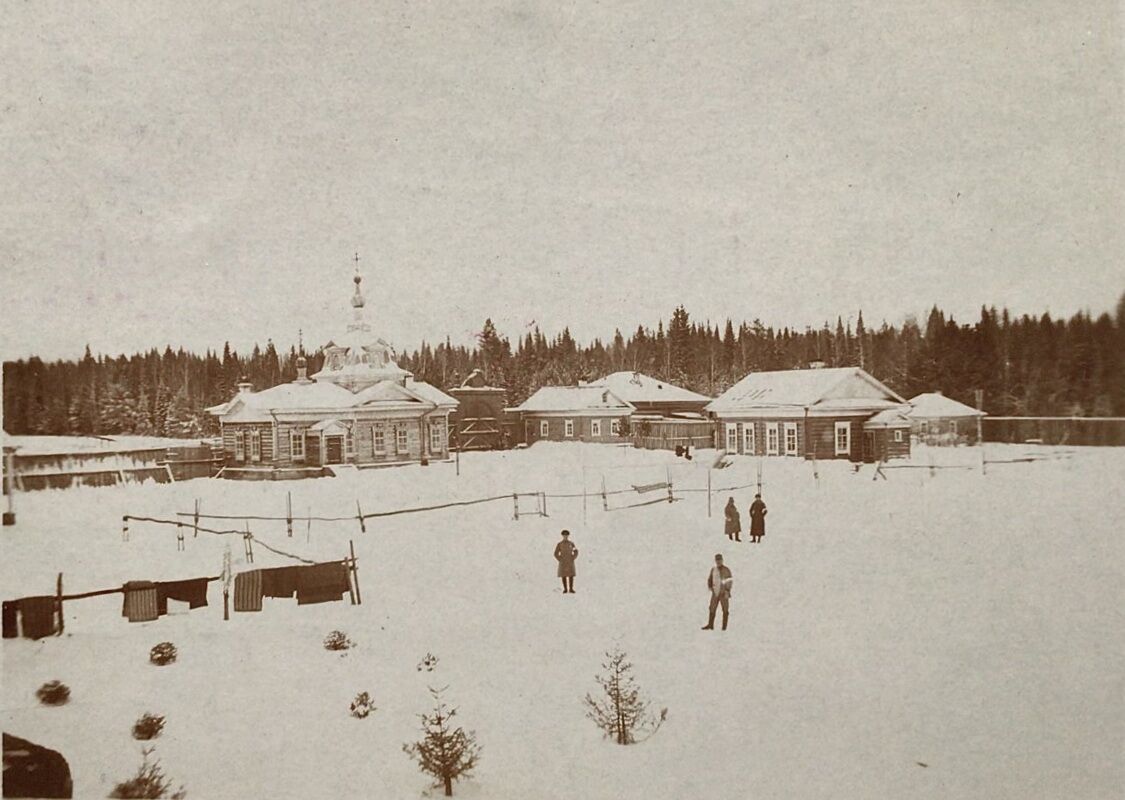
column 243, row 534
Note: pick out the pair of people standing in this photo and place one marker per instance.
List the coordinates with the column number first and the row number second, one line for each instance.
column 733, row 525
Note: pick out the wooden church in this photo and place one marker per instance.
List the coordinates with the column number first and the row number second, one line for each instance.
column 361, row 409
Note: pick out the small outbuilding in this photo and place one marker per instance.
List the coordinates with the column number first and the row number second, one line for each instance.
column 665, row 415
column 478, row 422
column 940, row 420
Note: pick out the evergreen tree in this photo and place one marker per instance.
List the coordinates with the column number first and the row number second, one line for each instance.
column 620, row 710
column 445, row 753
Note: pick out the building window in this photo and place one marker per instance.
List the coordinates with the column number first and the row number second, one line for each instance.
column 378, row 440
column 898, row 436
column 435, row 438
column 400, row 439
column 732, row 437
column 843, row 438
column 748, row 438
column 349, row 444
column 568, row 428
column 544, row 429
column 595, row 427
column 297, row 445
column 790, row 438
column 240, row 445
column 953, row 426
column 255, row 445
column 615, row 427
column 772, row 446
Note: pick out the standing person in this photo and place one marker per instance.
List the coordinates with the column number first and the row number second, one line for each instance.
column 566, row 554
column 758, row 513
column 734, row 521
column 720, row 582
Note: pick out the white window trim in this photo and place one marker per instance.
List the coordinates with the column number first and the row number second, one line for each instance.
column 349, row 444
column 568, row 428
column 596, row 427
column 748, row 443
column 296, row 445
column 732, row 437
column 240, row 445
column 435, row 438
column 846, row 427
column 773, row 439
column 255, row 445
column 402, row 442
column 898, row 435
column 544, row 429
column 792, row 427
column 615, row 427
column 378, row 440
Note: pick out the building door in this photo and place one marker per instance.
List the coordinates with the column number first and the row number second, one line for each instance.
column 334, row 450
column 869, row 447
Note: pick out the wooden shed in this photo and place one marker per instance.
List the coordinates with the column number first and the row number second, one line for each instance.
column 478, row 423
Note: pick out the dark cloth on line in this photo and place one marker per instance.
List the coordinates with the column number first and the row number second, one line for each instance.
column 322, row 583
column 11, row 619
column 192, row 591
column 280, row 581
column 37, row 616
column 248, row 591
column 140, row 603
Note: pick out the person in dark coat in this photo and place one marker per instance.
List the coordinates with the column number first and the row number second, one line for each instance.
column 734, row 521
column 719, row 582
column 758, row 513
column 566, row 554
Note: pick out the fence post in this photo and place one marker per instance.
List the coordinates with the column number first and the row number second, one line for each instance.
column 125, row 528
column 289, row 513
column 359, row 516
column 708, row 493
column 515, row 506
column 59, row 605
column 355, row 573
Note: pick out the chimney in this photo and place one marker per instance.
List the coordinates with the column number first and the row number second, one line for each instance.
column 581, row 382
column 816, row 365
column 244, row 386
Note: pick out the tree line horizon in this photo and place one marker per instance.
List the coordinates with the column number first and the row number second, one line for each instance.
column 1026, row 366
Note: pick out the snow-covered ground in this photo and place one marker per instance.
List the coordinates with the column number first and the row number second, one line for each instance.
column 969, row 623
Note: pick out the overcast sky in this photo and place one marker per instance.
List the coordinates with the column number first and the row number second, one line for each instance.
column 190, row 173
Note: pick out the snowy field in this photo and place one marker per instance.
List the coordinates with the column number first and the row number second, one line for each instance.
column 969, row 623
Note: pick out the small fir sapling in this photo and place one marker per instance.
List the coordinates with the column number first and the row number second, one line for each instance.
column 163, row 653
column 53, row 693
column 362, row 705
column 621, row 712
column 149, row 782
column 148, row 727
column 445, row 753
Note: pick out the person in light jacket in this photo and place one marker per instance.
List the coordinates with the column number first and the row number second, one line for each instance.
column 719, row 582
column 566, row 554
column 757, row 519
column 733, row 521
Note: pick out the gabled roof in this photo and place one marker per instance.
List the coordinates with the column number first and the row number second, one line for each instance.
column 889, row 418
column 935, row 404
column 635, row 387
column 431, row 394
column 574, row 398
column 317, row 396
column 843, row 388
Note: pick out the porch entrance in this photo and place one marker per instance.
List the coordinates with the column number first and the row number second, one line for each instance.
column 334, row 450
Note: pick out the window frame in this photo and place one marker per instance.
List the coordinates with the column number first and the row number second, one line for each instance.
column 615, row 427
column 749, row 438
column 255, row 445
column 791, row 428
column 296, row 445
column 846, row 428
column 568, row 428
column 773, row 439
column 544, row 429
column 435, row 438
column 240, row 445
column 596, row 428
column 732, row 437
column 898, row 435
column 378, row 445
column 402, row 440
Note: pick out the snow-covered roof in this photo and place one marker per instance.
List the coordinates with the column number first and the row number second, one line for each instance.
column 935, row 404
column 574, row 398
column 431, row 394
column 889, row 418
column 635, row 387
column 843, row 388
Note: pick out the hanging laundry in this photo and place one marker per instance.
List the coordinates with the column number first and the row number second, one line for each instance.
column 37, row 616
column 280, row 581
column 140, row 601
column 322, row 583
column 248, row 591
column 192, row 591
column 11, row 619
